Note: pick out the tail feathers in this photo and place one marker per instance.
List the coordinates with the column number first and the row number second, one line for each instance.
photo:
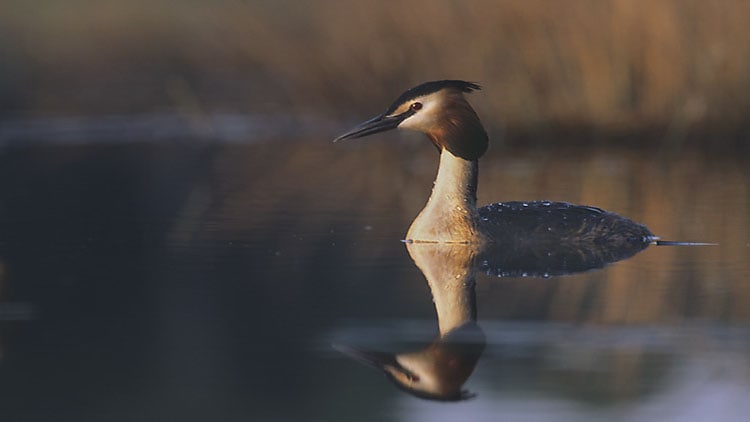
column 658, row 242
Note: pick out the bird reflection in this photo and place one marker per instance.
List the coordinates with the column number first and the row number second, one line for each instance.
column 439, row 371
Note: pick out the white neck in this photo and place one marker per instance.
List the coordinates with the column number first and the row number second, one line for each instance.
column 450, row 215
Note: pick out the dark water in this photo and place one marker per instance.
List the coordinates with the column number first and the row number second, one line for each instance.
column 196, row 280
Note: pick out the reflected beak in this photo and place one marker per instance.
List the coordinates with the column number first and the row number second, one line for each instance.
column 370, row 358
column 377, row 124
column 385, row 362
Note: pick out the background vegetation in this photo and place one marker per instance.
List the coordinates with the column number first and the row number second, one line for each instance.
column 674, row 69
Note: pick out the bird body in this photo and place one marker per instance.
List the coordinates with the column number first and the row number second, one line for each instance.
column 440, row 110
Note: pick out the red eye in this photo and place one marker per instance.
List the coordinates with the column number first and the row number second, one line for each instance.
column 416, row 106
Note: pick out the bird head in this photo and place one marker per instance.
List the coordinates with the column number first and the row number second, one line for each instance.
column 438, row 109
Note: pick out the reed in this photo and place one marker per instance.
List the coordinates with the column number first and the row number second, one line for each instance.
column 674, row 66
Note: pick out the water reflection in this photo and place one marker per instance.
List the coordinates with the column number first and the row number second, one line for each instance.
column 207, row 282
column 439, row 370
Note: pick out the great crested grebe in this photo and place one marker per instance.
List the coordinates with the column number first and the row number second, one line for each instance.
column 440, row 110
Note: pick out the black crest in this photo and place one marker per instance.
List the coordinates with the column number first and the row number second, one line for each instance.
column 430, row 87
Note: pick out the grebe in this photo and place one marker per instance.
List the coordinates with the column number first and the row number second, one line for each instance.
column 440, row 110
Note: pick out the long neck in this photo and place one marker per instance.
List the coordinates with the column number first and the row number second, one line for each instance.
column 456, row 181
column 450, row 215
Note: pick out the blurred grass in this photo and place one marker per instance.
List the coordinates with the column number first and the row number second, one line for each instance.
column 679, row 69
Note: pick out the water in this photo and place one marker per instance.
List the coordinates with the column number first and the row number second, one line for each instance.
column 203, row 280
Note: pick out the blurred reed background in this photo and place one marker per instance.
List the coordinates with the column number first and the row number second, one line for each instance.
column 664, row 72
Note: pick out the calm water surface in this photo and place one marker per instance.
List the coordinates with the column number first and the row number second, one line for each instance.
column 207, row 281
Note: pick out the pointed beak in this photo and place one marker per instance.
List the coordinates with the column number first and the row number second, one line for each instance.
column 377, row 124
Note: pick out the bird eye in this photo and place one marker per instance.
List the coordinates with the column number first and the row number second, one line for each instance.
column 415, row 106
